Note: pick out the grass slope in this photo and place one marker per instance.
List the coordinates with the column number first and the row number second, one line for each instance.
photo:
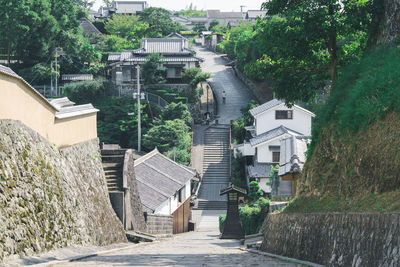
column 354, row 160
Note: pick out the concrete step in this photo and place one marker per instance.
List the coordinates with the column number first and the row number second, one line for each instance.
column 212, row 205
column 113, row 152
column 113, row 159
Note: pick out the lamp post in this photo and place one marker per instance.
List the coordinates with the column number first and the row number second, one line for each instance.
column 208, row 87
column 138, row 96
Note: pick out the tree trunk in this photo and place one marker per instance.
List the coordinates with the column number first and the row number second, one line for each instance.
column 332, row 49
column 9, row 52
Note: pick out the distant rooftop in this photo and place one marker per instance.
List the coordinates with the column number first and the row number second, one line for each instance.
column 217, row 14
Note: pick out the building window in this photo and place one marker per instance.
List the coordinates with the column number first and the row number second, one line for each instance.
column 275, row 156
column 180, row 195
column 178, row 72
column 284, row 114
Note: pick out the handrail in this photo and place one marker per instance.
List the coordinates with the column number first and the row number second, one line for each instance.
column 230, row 151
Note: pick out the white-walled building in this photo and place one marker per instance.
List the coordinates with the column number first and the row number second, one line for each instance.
column 273, row 122
column 163, row 184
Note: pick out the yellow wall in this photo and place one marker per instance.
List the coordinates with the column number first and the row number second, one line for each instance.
column 19, row 102
column 74, row 130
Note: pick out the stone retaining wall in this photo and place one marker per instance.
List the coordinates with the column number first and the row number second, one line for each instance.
column 51, row 198
column 178, row 87
column 254, row 88
column 352, row 239
column 135, row 211
column 160, row 224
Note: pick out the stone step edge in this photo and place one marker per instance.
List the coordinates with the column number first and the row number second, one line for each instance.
column 90, row 255
column 255, row 251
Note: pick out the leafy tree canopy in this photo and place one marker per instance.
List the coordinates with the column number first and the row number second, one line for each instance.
column 159, row 21
column 304, row 39
column 194, row 76
column 177, row 111
column 126, row 26
column 199, row 28
column 152, row 71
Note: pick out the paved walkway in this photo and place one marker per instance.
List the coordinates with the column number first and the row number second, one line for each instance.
column 224, row 78
column 189, row 249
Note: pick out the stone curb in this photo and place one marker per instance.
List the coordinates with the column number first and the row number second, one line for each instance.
column 90, row 255
column 281, row 257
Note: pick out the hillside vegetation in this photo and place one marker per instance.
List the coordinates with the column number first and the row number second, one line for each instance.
column 354, row 159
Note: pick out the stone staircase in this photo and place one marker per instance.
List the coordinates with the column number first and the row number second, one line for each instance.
column 113, row 162
column 216, row 166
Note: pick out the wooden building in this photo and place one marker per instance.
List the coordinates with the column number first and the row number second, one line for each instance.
column 165, row 188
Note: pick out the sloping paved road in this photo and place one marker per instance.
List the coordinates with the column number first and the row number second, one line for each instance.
column 237, row 96
column 224, row 78
column 189, row 249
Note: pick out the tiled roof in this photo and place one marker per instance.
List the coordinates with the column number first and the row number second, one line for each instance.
column 259, row 170
column 252, row 14
column 88, row 27
column 216, row 14
column 267, row 136
column 292, row 156
column 130, row 57
column 159, row 178
column 72, row 111
column 175, row 35
column 163, row 46
column 129, row 7
column 264, row 107
column 77, row 77
column 61, row 102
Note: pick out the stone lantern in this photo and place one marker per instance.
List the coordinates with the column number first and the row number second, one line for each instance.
column 233, row 226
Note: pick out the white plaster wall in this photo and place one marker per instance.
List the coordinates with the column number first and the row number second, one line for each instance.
column 245, row 150
column 163, row 208
column 187, row 191
column 301, row 121
column 263, row 185
column 264, row 155
column 174, row 204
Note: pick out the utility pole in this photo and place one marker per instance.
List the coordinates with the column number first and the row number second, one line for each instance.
column 51, row 78
column 138, row 95
column 241, row 8
column 56, row 73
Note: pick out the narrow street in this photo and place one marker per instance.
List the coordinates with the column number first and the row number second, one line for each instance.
column 224, row 78
column 189, row 249
column 210, row 155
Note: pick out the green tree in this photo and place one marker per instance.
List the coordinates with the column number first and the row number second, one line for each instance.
column 159, row 21
column 153, row 71
column 33, row 29
column 126, row 26
column 194, row 76
column 177, row 111
column 309, row 38
column 166, row 135
column 239, row 133
column 213, row 23
column 254, row 191
column 199, row 27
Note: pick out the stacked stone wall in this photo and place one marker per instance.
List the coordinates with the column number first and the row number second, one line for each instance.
column 51, row 198
column 136, row 212
column 160, row 224
column 354, row 239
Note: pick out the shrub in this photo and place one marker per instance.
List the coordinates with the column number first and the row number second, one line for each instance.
column 86, row 91
column 252, row 216
column 364, row 92
column 177, row 111
column 254, row 191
